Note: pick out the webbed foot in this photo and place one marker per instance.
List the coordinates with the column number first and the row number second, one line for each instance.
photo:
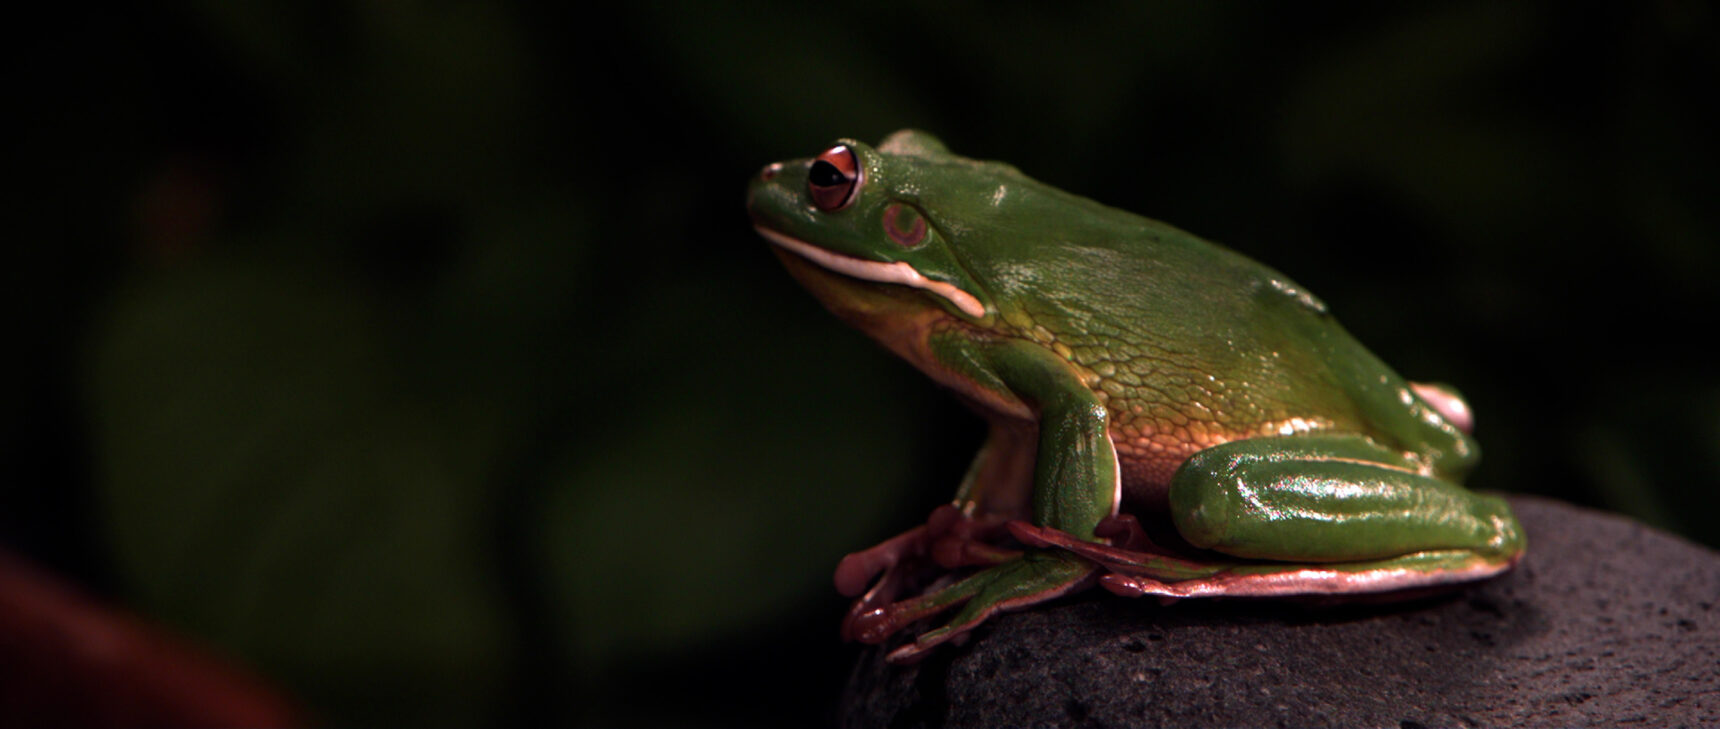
column 949, row 538
column 1136, row 573
column 1032, row 578
column 1131, row 556
column 1410, row 572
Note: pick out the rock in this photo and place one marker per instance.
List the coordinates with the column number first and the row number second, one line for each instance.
column 1605, row 622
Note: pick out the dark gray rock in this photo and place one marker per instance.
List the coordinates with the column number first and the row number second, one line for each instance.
column 1606, row 622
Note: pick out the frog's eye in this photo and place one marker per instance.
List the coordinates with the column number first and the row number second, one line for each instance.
column 834, row 179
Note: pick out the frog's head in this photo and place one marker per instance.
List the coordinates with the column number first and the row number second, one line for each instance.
column 865, row 215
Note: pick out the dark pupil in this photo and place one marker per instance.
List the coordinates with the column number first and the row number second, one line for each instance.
column 825, row 174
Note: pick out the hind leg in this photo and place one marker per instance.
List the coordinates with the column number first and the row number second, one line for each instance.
column 1315, row 515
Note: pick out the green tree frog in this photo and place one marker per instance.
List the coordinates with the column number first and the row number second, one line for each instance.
column 1167, row 417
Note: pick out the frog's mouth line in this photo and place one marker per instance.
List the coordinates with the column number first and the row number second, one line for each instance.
column 891, row 273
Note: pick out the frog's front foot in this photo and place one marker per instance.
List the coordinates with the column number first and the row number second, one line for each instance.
column 875, row 576
column 1032, row 578
column 951, row 538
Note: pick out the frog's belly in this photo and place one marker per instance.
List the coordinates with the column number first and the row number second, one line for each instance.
column 1147, row 469
column 1149, row 453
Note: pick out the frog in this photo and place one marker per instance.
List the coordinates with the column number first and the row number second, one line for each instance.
column 1165, row 416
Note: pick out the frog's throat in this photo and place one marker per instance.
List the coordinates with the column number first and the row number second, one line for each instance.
column 898, row 272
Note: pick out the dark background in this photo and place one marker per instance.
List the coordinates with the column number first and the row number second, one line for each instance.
column 420, row 355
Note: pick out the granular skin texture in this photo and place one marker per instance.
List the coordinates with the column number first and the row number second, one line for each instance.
column 1605, row 622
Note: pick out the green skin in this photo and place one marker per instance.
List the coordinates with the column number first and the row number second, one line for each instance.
column 1167, row 416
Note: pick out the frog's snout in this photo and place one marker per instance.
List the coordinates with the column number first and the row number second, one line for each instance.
column 765, row 175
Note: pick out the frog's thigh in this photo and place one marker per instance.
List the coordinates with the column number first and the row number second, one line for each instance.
column 1330, row 499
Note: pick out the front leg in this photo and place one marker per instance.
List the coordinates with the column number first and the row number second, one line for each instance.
column 1075, row 486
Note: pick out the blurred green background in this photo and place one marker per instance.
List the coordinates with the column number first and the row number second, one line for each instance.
column 421, row 355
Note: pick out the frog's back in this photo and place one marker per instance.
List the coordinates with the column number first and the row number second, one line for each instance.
column 1190, row 344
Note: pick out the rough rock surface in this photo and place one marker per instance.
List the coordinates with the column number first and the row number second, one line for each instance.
column 1605, row 622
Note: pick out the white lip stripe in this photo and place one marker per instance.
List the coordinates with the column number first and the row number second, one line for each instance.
column 891, row 273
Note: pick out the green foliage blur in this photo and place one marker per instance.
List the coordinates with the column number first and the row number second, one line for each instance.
column 421, row 356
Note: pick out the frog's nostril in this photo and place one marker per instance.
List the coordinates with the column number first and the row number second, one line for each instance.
column 770, row 171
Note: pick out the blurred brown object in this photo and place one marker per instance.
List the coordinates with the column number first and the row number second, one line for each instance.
column 66, row 660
